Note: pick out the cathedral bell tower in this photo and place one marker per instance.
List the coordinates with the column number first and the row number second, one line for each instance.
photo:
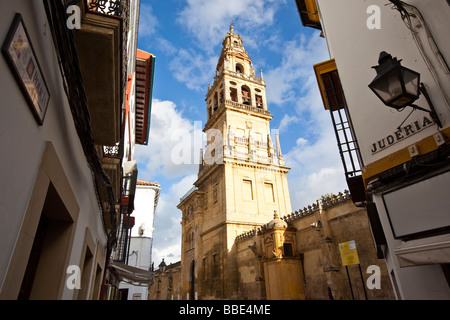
column 241, row 179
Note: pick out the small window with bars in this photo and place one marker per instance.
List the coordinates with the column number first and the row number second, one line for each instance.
column 334, row 100
column 347, row 144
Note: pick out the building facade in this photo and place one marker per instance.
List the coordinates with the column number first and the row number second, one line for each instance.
column 139, row 253
column 298, row 256
column 137, row 126
column 64, row 77
column 394, row 138
column 241, row 178
column 240, row 239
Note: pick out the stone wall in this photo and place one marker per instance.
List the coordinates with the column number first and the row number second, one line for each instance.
column 167, row 285
column 318, row 229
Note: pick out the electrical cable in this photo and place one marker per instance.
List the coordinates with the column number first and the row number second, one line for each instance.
column 406, row 17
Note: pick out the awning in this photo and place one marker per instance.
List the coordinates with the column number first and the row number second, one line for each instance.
column 133, row 275
column 433, row 250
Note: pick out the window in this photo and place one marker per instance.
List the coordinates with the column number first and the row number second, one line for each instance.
column 233, row 94
column 216, row 265
column 215, row 195
column 216, row 102
column 334, row 100
column 191, row 240
column 268, row 192
column 259, row 102
column 239, row 68
column 287, row 249
column 309, row 14
column 247, row 190
column 245, row 91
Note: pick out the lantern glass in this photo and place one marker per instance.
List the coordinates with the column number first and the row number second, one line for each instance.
column 411, row 80
column 395, row 85
column 388, row 86
column 162, row 266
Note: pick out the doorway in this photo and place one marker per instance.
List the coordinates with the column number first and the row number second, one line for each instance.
column 192, row 282
column 46, row 267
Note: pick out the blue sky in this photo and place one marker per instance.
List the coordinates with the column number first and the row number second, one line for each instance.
column 186, row 38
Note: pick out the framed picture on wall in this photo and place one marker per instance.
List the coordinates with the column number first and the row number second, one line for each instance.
column 22, row 60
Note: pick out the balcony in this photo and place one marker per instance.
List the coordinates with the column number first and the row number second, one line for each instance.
column 309, row 14
column 102, row 58
column 246, row 77
column 145, row 69
column 246, row 107
column 112, row 164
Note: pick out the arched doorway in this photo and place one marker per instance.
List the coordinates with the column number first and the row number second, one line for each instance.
column 192, row 282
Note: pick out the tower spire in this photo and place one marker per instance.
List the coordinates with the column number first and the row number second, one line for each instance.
column 278, row 146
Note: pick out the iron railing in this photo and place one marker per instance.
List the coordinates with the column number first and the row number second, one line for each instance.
column 110, row 7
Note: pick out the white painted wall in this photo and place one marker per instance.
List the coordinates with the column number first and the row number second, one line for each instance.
column 140, row 253
column 356, row 49
column 144, row 210
column 22, row 141
column 415, row 283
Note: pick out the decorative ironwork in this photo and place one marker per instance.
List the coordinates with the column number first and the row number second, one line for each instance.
column 112, row 151
column 246, row 107
column 110, row 7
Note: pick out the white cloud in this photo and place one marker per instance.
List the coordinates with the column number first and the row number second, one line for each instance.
column 165, row 46
column 286, row 121
column 172, row 154
column 193, row 68
column 316, row 167
column 167, row 234
column 295, row 74
column 307, row 189
column 147, row 21
column 172, row 143
column 207, row 19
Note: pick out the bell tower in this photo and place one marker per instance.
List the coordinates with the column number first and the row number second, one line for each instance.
column 241, row 179
column 235, row 80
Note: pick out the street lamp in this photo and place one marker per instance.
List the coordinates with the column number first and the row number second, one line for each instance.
column 398, row 87
column 162, row 266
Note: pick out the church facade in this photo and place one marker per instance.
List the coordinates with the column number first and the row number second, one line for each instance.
column 240, row 239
